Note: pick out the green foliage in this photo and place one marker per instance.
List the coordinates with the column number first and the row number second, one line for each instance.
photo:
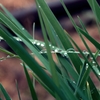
column 69, row 76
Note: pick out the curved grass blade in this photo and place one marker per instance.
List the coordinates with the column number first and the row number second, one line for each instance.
column 18, row 90
column 7, row 97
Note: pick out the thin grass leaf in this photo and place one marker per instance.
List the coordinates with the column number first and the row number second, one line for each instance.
column 88, row 92
column 18, row 90
column 94, row 92
column 12, row 18
column 44, row 85
column 51, row 62
column 7, row 97
column 60, row 32
column 68, row 67
column 32, row 90
column 95, row 8
column 93, row 41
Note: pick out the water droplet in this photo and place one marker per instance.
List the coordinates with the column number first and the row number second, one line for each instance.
column 74, row 82
column 8, row 56
column 23, row 28
column 50, row 45
column 42, row 45
column 87, row 66
column 53, row 47
column 18, row 39
column 65, row 53
column 38, row 43
column 93, row 62
column 34, row 42
column 56, row 50
column 91, row 58
column 39, row 6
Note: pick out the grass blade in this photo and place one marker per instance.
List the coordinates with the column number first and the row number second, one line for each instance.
column 32, row 90
column 7, row 97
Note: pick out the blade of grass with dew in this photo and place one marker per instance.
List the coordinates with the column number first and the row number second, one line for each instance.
column 31, row 62
column 88, row 92
column 12, row 18
column 18, row 90
column 80, row 52
column 68, row 92
column 59, row 30
column 84, row 55
column 7, row 97
column 51, row 62
column 6, row 51
column 75, row 26
column 69, row 68
column 90, row 53
column 48, row 25
column 94, row 60
column 90, row 82
column 93, row 41
column 62, row 81
column 25, row 40
column 32, row 90
column 54, row 39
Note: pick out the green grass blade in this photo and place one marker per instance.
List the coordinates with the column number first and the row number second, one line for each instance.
column 24, row 38
column 93, row 41
column 51, row 62
column 18, row 90
column 35, row 67
column 32, row 90
column 7, row 97
column 60, row 32
column 68, row 67
column 96, row 8
column 12, row 18
column 94, row 92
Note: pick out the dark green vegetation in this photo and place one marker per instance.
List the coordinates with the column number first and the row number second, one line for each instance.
column 69, row 77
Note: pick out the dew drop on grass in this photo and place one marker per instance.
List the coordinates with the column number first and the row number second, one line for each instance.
column 8, row 56
column 87, row 66
column 42, row 45
column 50, row 45
column 74, row 82
column 53, row 47
column 23, row 28
column 34, row 42
column 38, row 43
column 56, row 50
column 93, row 62
column 39, row 6
column 65, row 54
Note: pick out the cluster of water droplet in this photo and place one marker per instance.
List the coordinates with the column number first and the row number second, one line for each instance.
column 7, row 57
